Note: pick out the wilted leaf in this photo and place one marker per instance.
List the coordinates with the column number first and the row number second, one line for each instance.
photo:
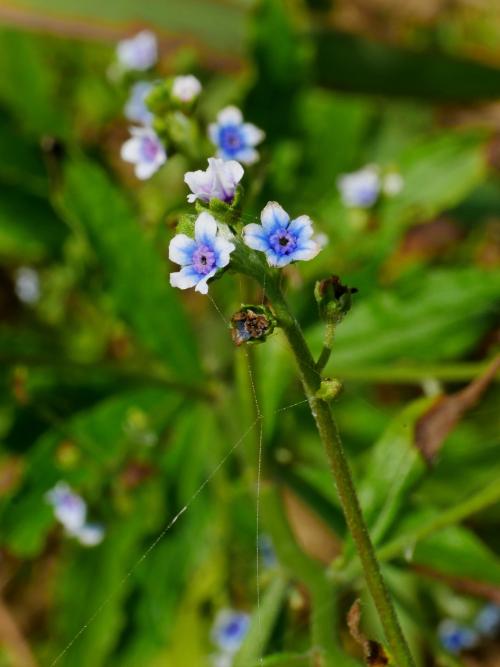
column 374, row 653
column 439, row 420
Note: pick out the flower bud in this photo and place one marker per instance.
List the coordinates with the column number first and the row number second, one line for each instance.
column 252, row 324
column 334, row 298
column 329, row 389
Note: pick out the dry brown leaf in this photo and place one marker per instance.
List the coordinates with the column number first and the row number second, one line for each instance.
column 434, row 425
column 374, row 653
column 311, row 532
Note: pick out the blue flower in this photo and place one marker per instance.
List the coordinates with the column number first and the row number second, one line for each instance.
column 136, row 109
column 360, row 188
column 71, row 511
column 267, row 552
column 488, row 620
column 283, row 240
column 201, row 257
column 235, row 139
column 455, row 637
column 229, row 629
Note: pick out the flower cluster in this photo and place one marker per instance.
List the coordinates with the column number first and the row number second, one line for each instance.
column 228, row 633
column 280, row 238
column 362, row 188
column 71, row 511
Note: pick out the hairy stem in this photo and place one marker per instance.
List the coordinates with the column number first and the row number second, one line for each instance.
column 327, row 346
column 331, row 440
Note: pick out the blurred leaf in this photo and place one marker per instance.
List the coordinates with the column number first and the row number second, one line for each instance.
column 354, row 64
column 394, row 465
column 28, row 84
column 100, row 436
column 220, row 26
column 457, row 552
column 29, row 228
column 136, row 273
column 438, row 174
column 263, row 622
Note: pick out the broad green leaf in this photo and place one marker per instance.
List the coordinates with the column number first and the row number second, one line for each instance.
column 438, row 174
column 457, row 552
column 28, row 84
column 355, row 64
column 136, row 273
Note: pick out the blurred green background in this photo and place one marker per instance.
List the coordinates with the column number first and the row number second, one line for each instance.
column 133, row 392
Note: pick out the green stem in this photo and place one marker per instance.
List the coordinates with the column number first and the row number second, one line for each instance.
column 331, row 440
column 327, row 346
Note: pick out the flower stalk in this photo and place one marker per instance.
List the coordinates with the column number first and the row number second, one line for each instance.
column 330, row 437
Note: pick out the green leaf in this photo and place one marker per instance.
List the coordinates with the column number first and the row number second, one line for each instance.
column 438, row 174
column 354, row 64
column 136, row 273
column 28, row 84
column 29, row 228
column 393, row 468
column 263, row 621
column 457, row 552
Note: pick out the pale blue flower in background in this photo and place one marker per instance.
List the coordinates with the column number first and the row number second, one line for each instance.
column 90, row 534
column 267, row 552
column 135, row 108
column 144, row 150
column 229, row 629
column 139, row 52
column 69, row 508
column 201, row 257
column 456, row 637
column 71, row 511
column 488, row 620
column 218, row 181
column 361, row 188
column 281, row 239
column 27, row 285
column 186, row 88
column 222, row 660
column 235, row 139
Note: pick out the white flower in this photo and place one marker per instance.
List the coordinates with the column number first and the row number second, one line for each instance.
column 235, row 139
column 186, row 88
column 218, row 181
column 360, row 188
column 393, row 184
column 145, row 150
column 201, row 257
column 139, row 52
column 90, row 534
column 136, row 109
column 27, row 284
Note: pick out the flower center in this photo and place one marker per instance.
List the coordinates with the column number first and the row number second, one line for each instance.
column 230, row 139
column 150, row 149
column 203, row 259
column 283, row 242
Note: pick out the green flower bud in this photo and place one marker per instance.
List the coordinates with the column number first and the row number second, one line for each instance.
column 334, row 298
